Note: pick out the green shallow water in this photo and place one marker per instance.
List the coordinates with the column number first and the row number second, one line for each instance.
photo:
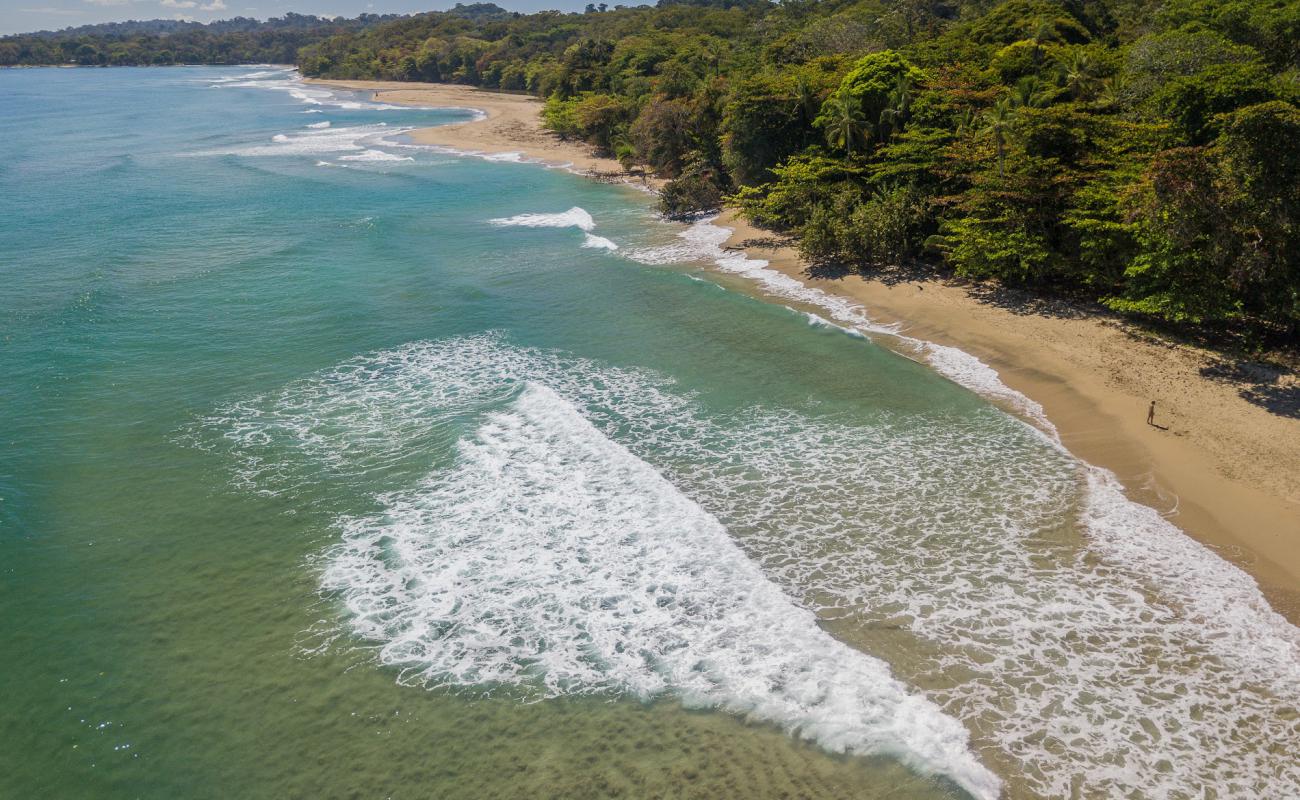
column 236, row 362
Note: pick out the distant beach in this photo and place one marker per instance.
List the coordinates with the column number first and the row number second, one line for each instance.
column 1220, row 466
column 511, row 125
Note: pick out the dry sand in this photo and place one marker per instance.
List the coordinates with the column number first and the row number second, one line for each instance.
column 1225, row 463
column 513, row 125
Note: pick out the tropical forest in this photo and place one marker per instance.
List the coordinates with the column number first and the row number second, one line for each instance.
column 1142, row 155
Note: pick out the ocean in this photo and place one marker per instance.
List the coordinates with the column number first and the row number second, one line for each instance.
column 336, row 466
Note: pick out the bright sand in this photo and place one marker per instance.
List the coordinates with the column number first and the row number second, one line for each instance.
column 1224, row 469
column 512, row 124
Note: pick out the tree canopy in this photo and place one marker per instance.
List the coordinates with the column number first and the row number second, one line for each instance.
column 1145, row 155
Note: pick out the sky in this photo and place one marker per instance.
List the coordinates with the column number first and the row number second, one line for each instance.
column 21, row 16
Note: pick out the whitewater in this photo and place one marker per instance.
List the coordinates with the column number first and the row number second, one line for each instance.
column 658, row 552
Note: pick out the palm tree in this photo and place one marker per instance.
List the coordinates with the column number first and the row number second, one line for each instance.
column 805, row 99
column 1026, row 93
column 899, row 107
column 965, row 119
column 1113, row 90
column 997, row 120
column 845, row 122
column 1078, row 75
column 1045, row 31
column 901, row 96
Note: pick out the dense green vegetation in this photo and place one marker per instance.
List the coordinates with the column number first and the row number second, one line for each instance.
column 164, row 41
column 1143, row 154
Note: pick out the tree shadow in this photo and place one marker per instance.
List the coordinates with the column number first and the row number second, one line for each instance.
column 892, row 275
column 772, row 242
column 1024, row 302
column 1272, row 387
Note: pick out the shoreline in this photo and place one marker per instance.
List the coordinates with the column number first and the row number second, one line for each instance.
column 511, row 125
column 1221, row 469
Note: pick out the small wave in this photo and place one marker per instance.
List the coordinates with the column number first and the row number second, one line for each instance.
column 324, row 124
column 323, row 141
column 573, row 218
column 822, row 322
column 375, row 155
column 598, row 242
column 290, row 82
column 703, row 241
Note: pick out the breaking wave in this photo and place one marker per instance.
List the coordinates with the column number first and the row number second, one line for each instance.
column 703, row 241
column 549, row 557
column 573, row 218
column 1088, row 644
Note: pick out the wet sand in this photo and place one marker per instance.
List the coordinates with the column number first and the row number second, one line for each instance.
column 1224, row 463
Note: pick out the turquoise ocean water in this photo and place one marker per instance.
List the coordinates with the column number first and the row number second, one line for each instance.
column 338, row 467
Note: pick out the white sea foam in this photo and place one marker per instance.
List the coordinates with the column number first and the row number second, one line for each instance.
column 290, row 82
column 551, row 558
column 966, row 370
column 573, row 218
column 358, row 141
column 821, row 322
column 324, row 124
column 598, row 242
column 703, row 241
column 249, row 78
column 1131, row 658
column 375, row 155
column 513, row 157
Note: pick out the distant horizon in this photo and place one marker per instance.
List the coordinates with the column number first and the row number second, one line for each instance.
column 33, row 16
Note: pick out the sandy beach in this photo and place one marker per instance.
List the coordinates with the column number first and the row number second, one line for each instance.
column 1223, row 463
column 512, row 125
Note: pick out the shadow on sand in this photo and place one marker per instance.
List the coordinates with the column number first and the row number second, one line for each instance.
column 1269, row 386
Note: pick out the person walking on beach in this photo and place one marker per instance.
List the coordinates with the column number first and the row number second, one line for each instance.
column 1151, row 413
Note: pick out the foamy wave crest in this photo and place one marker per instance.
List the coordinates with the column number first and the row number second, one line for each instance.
column 598, row 242
column 290, row 82
column 966, row 370
column 573, row 218
column 353, row 143
column 324, row 124
column 245, row 78
column 704, row 241
column 551, row 557
column 1089, row 646
column 375, row 155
